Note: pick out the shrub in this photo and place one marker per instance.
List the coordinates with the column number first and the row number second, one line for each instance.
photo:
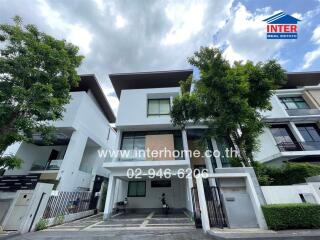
column 287, row 174
column 292, row 216
column 42, row 224
column 58, row 220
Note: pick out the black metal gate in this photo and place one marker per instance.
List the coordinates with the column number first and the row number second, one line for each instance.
column 196, row 208
column 214, row 205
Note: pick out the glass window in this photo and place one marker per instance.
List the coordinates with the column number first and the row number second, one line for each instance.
column 164, row 106
column 157, row 107
column 281, row 134
column 153, row 107
column 309, row 132
column 135, row 141
column 137, row 189
column 294, row 103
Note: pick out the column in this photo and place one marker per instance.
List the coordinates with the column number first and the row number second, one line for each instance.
column 110, row 196
column 71, row 161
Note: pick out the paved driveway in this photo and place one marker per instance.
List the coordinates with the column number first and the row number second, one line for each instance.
column 138, row 226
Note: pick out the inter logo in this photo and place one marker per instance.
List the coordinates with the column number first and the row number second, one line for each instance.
column 282, row 26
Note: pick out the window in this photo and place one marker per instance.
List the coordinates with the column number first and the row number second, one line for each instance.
column 294, row 103
column 133, row 142
column 284, row 138
column 309, row 132
column 136, row 141
column 158, row 107
column 281, row 134
column 161, row 183
column 137, row 189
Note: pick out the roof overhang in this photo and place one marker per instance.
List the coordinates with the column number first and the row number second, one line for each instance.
column 90, row 82
column 140, row 80
column 300, row 79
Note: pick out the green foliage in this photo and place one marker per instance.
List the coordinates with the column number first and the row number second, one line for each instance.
column 36, row 74
column 287, row 174
column 292, row 216
column 58, row 220
column 228, row 97
column 10, row 162
column 42, row 224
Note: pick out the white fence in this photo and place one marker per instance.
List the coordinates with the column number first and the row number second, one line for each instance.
column 291, row 194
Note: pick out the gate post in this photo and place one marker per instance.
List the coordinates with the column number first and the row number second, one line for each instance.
column 203, row 204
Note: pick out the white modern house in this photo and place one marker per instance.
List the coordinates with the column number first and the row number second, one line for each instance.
column 143, row 122
column 71, row 162
column 293, row 134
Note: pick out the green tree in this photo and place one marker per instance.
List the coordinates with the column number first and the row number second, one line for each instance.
column 36, row 74
column 229, row 98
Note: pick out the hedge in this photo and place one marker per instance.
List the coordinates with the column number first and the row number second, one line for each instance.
column 292, row 216
column 287, row 174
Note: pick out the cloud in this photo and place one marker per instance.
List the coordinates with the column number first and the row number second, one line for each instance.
column 244, row 36
column 311, row 56
column 130, row 36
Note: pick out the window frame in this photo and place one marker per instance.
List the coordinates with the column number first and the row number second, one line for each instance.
column 136, row 195
column 294, row 101
column 158, row 114
column 306, row 126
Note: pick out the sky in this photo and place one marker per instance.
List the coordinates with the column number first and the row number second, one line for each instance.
column 142, row 35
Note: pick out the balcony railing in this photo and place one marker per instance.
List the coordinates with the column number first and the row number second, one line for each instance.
column 303, row 112
column 298, row 146
column 54, row 165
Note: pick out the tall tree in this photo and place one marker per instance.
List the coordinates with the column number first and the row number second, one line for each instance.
column 36, row 74
column 229, row 98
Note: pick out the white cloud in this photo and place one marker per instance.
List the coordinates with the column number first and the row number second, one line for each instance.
column 186, row 19
column 316, row 35
column 120, row 22
column 244, row 36
column 311, row 56
column 75, row 33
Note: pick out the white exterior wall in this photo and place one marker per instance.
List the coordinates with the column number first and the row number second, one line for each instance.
column 132, row 111
column 277, row 110
column 268, row 147
column 288, row 194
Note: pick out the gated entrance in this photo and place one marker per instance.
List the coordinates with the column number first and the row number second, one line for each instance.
column 214, row 205
column 196, row 208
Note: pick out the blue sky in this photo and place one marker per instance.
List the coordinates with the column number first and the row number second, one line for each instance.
column 143, row 35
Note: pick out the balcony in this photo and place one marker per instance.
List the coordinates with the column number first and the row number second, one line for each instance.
column 298, row 146
column 53, row 165
column 303, row 112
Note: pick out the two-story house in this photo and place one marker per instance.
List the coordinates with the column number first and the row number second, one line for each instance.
column 71, row 161
column 293, row 133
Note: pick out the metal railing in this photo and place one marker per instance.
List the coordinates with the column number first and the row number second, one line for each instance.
column 303, row 112
column 298, row 146
column 64, row 203
column 53, row 165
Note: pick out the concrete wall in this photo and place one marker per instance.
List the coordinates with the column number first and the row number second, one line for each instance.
column 132, row 109
column 314, row 95
column 27, row 208
column 290, row 194
column 277, row 110
column 268, row 147
column 33, row 154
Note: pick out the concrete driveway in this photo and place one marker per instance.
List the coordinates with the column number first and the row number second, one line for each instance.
column 151, row 225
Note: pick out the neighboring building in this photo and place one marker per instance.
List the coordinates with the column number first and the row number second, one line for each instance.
column 294, row 133
column 71, row 162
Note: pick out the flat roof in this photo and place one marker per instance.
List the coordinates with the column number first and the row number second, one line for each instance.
column 140, row 80
column 300, row 79
column 89, row 81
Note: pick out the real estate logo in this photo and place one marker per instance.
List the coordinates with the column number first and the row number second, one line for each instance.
column 282, row 26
